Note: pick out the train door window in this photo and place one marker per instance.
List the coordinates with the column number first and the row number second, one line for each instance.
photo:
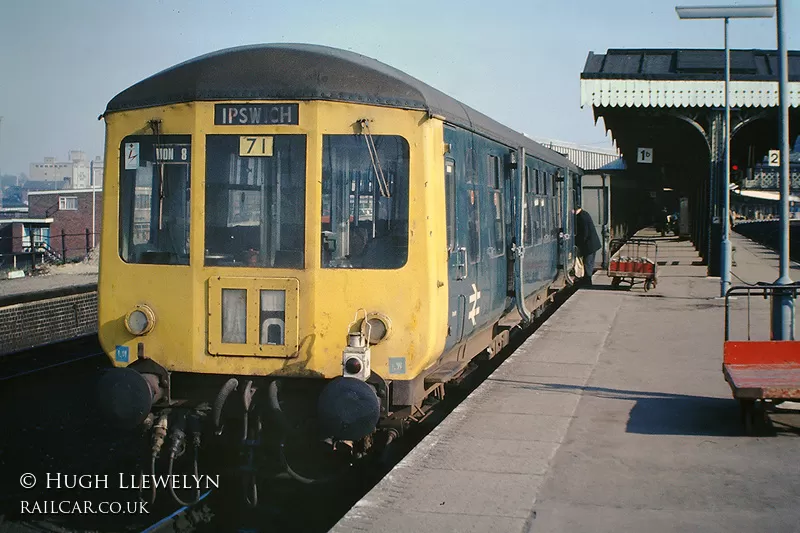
column 530, row 221
column 255, row 208
column 497, row 229
column 557, row 202
column 543, row 226
column 364, row 201
column 526, row 203
column 450, row 191
column 155, row 199
column 494, row 172
column 538, row 182
column 474, row 229
column 545, row 178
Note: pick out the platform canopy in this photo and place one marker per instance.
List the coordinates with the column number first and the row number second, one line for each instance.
column 640, row 89
column 685, row 78
column 665, row 111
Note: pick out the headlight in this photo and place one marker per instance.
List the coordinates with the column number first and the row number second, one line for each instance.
column 376, row 327
column 140, row 320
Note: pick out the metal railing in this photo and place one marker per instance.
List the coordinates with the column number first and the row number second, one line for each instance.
column 764, row 290
column 34, row 245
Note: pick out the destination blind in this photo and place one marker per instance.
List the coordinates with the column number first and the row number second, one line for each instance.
column 173, row 153
column 256, row 114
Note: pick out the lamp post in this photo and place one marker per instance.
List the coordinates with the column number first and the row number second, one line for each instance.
column 726, row 13
column 783, row 300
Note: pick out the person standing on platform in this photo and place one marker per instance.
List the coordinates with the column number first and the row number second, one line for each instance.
column 587, row 241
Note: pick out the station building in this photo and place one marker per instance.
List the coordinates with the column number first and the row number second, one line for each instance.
column 59, row 225
column 665, row 111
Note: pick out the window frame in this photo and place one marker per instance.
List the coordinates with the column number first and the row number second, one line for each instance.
column 65, row 201
column 390, row 181
column 128, row 225
column 450, row 199
column 497, row 247
column 229, row 187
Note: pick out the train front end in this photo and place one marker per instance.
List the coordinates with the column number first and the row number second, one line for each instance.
column 282, row 253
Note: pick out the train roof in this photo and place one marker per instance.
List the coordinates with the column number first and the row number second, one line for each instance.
column 311, row 72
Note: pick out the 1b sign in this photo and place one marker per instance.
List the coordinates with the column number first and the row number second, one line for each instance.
column 644, row 155
column 774, row 158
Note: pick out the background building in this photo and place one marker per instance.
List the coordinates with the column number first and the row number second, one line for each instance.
column 75, row 216
column 77, row 173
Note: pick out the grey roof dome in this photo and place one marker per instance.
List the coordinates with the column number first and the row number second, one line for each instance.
column 310, row 72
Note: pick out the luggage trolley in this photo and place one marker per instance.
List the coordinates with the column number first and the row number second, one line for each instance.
column 760, row 372
column 635, row 261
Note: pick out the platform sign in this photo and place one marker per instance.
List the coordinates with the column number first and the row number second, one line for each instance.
column 774, row 158
column 644, row 155
column 131, row 156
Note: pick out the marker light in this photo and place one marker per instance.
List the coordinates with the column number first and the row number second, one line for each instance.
column 352, row 366
column 140, row 320
column 376, row 327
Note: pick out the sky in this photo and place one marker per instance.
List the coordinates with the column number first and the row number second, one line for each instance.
column 518, row 62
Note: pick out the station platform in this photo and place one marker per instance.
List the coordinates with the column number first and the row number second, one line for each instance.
column 15, row 289
column 613, row 416
column 41, row 310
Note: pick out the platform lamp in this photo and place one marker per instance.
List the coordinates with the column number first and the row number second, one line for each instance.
column 726, row 13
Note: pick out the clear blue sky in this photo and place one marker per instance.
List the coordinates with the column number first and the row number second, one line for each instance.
column 517, row 61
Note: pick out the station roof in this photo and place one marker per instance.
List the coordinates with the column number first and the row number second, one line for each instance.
column 589, row 158
column 685, row 78
column 311, row 72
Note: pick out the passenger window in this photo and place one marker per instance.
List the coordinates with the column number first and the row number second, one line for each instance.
column 526, row 184
column 364, row 201
column 497, row 229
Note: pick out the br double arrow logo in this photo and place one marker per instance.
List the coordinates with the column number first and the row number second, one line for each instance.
column 473, row 299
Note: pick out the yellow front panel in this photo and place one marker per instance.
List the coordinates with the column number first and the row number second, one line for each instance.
column 185, row 299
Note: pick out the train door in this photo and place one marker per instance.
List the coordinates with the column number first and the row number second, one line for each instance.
column 562, row 197
column 596, row 199
column 463, row 238
column 567, row 236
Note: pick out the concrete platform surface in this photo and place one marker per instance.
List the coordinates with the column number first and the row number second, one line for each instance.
column 614, row 416
column 35, row 284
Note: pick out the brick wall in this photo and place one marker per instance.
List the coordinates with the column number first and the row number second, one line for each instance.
column 73, row 223
column 30, row 324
